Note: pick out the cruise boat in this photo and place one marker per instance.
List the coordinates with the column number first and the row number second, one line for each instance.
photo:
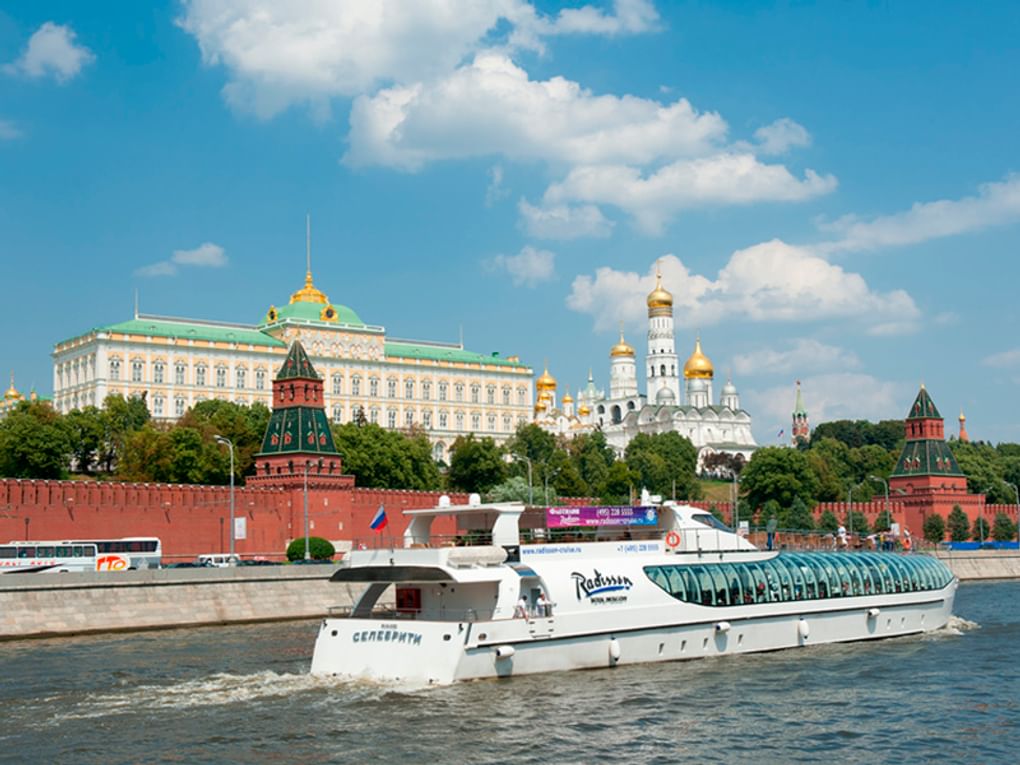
column 523, row 590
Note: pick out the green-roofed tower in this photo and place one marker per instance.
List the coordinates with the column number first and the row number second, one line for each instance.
column 800, row 432
column 925, row 452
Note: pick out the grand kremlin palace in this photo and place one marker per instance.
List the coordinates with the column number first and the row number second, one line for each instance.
column 175, row 363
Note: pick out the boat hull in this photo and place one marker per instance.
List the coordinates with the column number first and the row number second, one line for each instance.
column 442, row 652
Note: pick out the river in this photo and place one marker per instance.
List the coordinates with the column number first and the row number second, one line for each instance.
column 243, row 694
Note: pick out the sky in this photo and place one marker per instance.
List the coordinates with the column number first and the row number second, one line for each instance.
column 831, row 190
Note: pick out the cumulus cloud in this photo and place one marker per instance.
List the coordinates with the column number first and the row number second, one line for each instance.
column 8, row 131
column 492, row 107
column 51, row 52
column 771, row 281
column 206, row 255
column 529, row 267
column 835, row 396
column 563, row 221
column 781, row 136
column 995, row 204
column 804, row 355
column 1003, row 359
column 720, row 179
column 281, row 54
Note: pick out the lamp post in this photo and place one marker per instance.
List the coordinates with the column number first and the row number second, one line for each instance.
column 230, row 446
column 885, row 483
column 736, row 501
column 531, row 491
column 308, row 553
column 555, row 473
column 1016, row 493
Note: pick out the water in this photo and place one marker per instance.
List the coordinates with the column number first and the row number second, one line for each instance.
column 242, row 694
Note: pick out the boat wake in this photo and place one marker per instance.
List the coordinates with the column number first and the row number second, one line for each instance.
column 955, row 627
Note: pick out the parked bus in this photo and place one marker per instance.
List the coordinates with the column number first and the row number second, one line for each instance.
column 32, row 557
column 109, row 554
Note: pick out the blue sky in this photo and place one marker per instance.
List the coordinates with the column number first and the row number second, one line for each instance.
column 833, row 190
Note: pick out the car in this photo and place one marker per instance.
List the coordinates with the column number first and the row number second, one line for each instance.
column 183, row 564
column 311, row 561
column 258, row 563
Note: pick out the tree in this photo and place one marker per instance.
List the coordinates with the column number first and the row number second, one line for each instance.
column 620, row 484
column 830, row 461
column 318, row 549
column 243, row 425
column 828, row 522
column 934, row 528
column 664, row 462
column 34, row 442
column 979, row 531
column 857, row 522
column 475, row 464
column 513, row 489
column 86, row 429
column 770, row 510
column 778, row 473
column 592, row 458
column 958, row 524
column 1003, row 529
column 798, row 516
column 884, row 521
column 387, row 459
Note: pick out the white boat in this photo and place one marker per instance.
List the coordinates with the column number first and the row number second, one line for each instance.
column 673, row 584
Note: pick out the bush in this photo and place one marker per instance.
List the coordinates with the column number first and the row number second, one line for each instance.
column 1003, row 529
column 979, row 532
column 827, row 522
column 934, row 529
column 958, row 525
column 884, row 521
column 318, row 548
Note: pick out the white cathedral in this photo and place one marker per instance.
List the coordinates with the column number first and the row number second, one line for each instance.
column 625, row 412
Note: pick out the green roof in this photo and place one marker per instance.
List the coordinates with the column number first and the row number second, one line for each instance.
column 307, row 311
column 297, row 365
column 446, row 353
column 923, row 407
column 926, row 456
column 298, row 429
column 185, row 330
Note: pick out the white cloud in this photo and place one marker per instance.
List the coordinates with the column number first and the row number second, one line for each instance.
column 492, row 107
column 1003, row 359
column 781, row 136
column 495, row 191
column 995, row 204
column 206, row 255
column 8, row 131
column 720, row 179
column 829, row 397
column 281, row 54
column 805, row 355
column 563, row 221
column 771, row 281
column 529, row 267
column 51, row 51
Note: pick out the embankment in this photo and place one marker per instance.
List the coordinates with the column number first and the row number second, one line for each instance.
column 977, row 565
column 45, row 605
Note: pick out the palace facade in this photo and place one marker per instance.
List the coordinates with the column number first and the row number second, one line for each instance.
column 625, row 412
column 173, row 364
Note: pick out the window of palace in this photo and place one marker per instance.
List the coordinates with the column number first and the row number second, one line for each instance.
column 114, row 369
column 475, row 390
column 460, row 421
column 178, row 407
column 241, row 375
column 178, row 373
column 506, row 397
column 136, row 371
column 442, row 421
column 338, row 385
column 356, row 385
column 442, row 391
column 492, row 422
column 157, row 406
column 157, row 372
column 522, row 394
column 373, row 386
column 391, row 419
column 476, row 422
column 490, row 394
column 426, row 391
column 338, row 414
column 408, row 419
column 260, row 379
column 221, row 377
column 458, row 391
column 374, row 418
column 200, row 374
column 506, row 424
column 408, row 388
column 391, row 388
column 426, row 419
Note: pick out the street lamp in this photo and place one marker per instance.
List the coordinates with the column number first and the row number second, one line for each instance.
column 308, row 553
column 1016, row 493
column 850, row 505
column 230, row 446
column 555, row 473
column 531, row 491
column 885, row 483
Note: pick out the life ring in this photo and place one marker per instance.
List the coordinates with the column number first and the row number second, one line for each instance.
column 673, row 540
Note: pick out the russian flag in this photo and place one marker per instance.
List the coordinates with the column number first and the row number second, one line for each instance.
column 378, row 520
column 780, row 433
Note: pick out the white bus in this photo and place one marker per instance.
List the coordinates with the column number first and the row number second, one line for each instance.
column 33, row 557
column 109, row 554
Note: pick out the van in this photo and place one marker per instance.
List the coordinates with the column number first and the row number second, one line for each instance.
column 218, row 560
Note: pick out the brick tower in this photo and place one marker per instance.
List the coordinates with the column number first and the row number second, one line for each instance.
column 927, row 474
column 800, row 431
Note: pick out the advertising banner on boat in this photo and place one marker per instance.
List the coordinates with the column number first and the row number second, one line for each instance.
column 620, row 515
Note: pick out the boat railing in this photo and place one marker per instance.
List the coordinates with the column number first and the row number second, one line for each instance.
column 526, row 536
column 415, row 614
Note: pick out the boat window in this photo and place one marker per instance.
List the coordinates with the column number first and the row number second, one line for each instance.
column 732, row 580
column 771, row 580
column 901, row 581
column 707, row 519
column 676, row 584
column 8, row 552
column 26, row 552
column 63, row 552
column 853, row 565
column 707, row 587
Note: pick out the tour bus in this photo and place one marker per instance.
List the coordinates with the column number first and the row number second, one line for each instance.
column 32, row 557
column 123, row 554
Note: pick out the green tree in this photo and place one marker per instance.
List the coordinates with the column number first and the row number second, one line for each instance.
column 778, row 473
column 979, row 531
column 386, row 459
column 934, row 528
column 771, row 509
column 798, row 516
column 121, row 418
column 620, row 484
column 34, row 442
column 664, row 461
column 475, row 464
column 243, row 425
column 592, row 458
column 1003, row 529
column 318, row 549
column 830, row 461
column 858, row 522
column 513, row 489
column 884, row 521
column 828, row 522
column 958, row 524
column 86, row 429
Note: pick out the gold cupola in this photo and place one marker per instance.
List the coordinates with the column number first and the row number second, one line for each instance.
column 309, row 293
column 622, row 348
column 11, row 394
column 567, row 398
column 583, row 410
column 698, row 366
column 659, row 297
column 546, row 382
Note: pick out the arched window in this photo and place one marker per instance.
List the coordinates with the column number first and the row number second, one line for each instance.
column 391, row 418
column 221, row 377
column 356, row 386
column 179, row 406
column 490, row 394
column 408, row 388
column 338, row 414
column 157, row 372
column 458, row 391
column 442, row 421
column 475, row 390
column 200, row 374
column 157, row 406
column 391, row 388
column 662, row 370
column 136, row 370
column 426, row 391
column 241, row 375
column 179, row 371
column 338, row 385
column 442, row 391
column 426, row 419
column 506, row 396
column 476, row 422
column 260, row 379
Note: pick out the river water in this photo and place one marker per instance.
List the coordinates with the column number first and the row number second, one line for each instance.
column 243, row 694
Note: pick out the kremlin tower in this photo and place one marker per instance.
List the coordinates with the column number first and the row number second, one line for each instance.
column 622, row 370
column 698, row 372
column 663, row 377
column 800, row 432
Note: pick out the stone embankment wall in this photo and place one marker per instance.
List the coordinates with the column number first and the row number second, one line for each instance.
column 976, row 565
column 43, row 605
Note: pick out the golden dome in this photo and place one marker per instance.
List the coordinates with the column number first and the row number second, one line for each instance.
column 622, row 348
column 583, row 410
column 659, row 297
column 309, row 293
column 12, row 393
column 567, row 398
column 546, row 381
column 541, row 405
column 698, row 366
